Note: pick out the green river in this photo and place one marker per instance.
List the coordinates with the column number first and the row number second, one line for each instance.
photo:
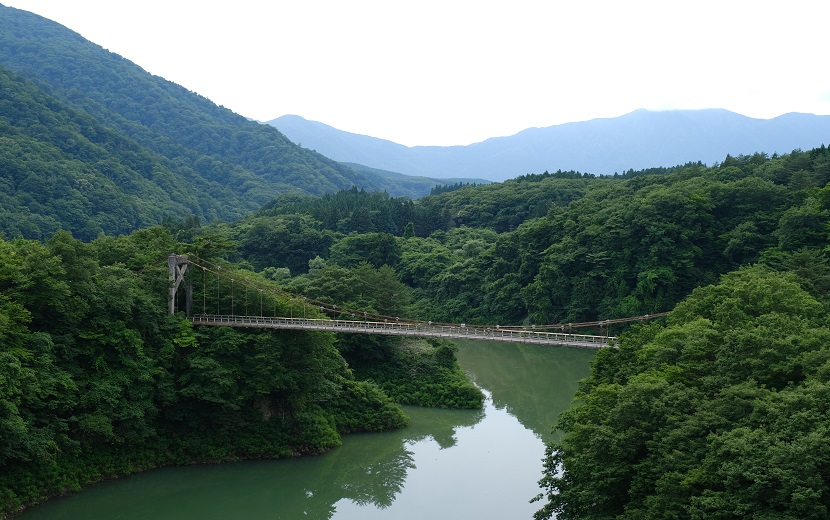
column 447, row 464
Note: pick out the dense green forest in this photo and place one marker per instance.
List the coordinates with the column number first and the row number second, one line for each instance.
column 64, row 170
column 716, row 413
column 553, row 248
column 720, row 413
column 98, row 380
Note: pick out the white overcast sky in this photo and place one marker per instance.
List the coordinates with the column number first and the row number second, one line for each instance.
column 451, row 72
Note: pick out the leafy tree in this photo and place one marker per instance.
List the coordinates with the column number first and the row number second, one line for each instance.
column 710, row 416
column 284, row 241
column 409, row 230
column 377, row 249
column 364, row 287
column 803, row 226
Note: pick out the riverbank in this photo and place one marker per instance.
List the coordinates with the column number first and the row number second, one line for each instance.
column 424, row 372
column 481, row 463
column 420, row 372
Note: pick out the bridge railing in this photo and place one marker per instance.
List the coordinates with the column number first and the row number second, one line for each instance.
column 409, row 329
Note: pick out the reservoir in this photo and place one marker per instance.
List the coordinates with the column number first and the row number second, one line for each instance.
column 468, row 464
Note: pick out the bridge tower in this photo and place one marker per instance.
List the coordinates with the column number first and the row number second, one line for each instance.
column 177, row 265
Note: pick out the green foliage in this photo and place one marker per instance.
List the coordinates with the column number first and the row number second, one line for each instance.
column 448, row 271
column 362, row 288
column 504, row 206
column 363, row 406
column 132, row 149
column 559, row 248
column 283, row 241
column 446, row 188
column 352, row 211
column 378, row 249
column 107, row 183
column 97, row 380
column 616, row 247
column 569, row 248
column 716, row 415
column 423, row 373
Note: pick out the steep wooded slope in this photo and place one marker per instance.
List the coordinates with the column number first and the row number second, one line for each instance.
column 214, row 164
column 61, row 169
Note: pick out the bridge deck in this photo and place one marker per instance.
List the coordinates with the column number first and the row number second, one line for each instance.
column 410, row 329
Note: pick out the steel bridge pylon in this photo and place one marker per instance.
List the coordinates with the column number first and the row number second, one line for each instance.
column 177, row 265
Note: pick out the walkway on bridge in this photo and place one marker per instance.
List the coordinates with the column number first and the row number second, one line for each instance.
column 230, row 288
column 410, row 329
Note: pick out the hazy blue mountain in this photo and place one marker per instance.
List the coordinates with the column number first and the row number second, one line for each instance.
column 641, row 139
column 412, row 183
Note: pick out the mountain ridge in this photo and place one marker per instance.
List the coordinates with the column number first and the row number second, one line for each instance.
column 638, row 140
column 146, row 147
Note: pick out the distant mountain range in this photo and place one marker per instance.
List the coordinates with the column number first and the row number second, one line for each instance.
column 636, row 141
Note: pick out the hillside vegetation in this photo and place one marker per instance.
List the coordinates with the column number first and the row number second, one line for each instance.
column 561, row 247
column 97, row 380
column 720, row 412
column 123, row 149
column 61, row 169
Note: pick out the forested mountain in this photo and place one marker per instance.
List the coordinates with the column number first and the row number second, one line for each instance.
column 97, row 380
column 561, row 247
column 639, row 140
column 719, row 410
column 100, row 145
column 62, row 169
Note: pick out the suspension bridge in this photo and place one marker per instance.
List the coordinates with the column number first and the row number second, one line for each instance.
column 232, row 299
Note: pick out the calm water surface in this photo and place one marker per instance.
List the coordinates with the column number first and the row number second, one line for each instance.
column 447, row 464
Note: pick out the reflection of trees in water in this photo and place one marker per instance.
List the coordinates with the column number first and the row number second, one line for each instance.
column 379, row 482
column 441, row 425
column 532, row 383
column 371, row 468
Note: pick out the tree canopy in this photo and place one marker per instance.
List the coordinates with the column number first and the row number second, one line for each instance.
column 97, row 380
column 721, row 413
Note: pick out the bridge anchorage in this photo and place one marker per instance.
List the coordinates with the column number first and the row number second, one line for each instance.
column 308, row 314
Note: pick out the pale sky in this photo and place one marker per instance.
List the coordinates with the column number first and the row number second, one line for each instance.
column 451, row 72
